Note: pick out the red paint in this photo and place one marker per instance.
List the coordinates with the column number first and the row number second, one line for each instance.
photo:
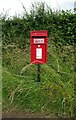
column 38, row 45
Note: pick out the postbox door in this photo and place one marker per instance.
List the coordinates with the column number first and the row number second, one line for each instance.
column 38, row 53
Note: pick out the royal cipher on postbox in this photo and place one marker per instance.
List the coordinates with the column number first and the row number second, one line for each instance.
column 38, row 46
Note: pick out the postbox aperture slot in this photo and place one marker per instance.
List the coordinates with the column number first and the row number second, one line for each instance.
column 38, row 36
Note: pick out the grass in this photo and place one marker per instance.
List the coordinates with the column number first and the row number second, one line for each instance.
column 53, row 95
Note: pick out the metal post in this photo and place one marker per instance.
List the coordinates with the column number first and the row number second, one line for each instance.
column 38, row 73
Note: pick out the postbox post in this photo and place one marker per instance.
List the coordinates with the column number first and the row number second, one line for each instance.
column 38, row 72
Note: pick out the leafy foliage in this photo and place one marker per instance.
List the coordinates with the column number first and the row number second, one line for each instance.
column 60, row 25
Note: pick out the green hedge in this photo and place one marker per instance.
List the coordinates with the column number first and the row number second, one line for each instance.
column 60, row 25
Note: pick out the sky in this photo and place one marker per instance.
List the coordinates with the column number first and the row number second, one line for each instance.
column 14, row 7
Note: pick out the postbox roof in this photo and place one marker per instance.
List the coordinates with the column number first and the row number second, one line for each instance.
column 39, row 33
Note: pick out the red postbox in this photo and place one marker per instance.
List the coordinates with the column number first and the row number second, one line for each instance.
column 38, row 42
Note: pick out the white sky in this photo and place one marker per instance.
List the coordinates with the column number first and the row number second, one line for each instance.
column 13, row 7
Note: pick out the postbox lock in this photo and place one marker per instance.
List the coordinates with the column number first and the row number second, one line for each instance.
column 38, row 45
